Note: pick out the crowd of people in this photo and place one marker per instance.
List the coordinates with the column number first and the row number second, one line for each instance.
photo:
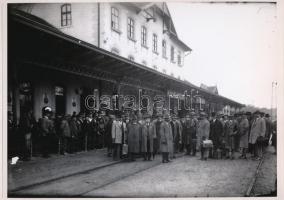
column 135, row 135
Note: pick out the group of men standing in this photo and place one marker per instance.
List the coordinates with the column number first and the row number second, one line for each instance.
column 134, row 135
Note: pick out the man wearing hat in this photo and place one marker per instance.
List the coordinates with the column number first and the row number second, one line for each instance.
column 133, row 137
column 157, row 124
column 46, row 129
column 257, row 134
column 148, row 133
column 268, row 130
column 203, row 130
column 216, row 132
column 244, row 133
column 177, row 134
column 190, row 128
column 117, row 134
column 166, row 140
column 108, row 136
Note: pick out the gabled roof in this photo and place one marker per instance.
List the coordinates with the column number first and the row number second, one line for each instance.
column 163, row 10
column 212, row 89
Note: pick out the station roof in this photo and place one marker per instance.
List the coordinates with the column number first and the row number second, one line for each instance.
column 68, row 53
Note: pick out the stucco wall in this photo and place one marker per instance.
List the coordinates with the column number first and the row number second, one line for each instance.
column 85, row 27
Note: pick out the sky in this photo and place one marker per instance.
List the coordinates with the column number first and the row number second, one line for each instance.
column 234, row 47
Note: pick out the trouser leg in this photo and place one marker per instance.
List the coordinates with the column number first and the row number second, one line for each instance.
column 193, row 148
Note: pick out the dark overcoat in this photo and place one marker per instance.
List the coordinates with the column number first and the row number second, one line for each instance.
column 216, row 133
column 133, row 137
column 148, row 133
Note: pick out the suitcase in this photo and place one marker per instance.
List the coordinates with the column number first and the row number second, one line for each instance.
column 124, row 149
column 207, row 144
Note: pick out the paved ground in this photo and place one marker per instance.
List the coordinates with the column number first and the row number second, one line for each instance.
column 44, row 169
column 265, row 180
column 185, row 177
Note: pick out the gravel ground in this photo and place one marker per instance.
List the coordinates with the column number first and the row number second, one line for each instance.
column 265, row 181
column 185, row 177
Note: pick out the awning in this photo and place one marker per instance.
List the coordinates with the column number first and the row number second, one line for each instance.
column 38, row 43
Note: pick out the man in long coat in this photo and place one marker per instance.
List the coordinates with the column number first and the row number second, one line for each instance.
column 133, row 138
column 257, row 134
column 216, row 132
column 229, row 134
column 177, row 134
column 46, row 130
column 244, row 133
column 190, row 138
column 203, row 129
column 157, row 124
column 166, row 140
column 117, row 137
column 148, row 133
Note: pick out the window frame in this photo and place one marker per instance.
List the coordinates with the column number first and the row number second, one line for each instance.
column 131, row 28
column 114, row 19
column 164, row 48
column 144, row 36
column 173, row 54
column 155, row 43
column 179, row 60
column 66, row 15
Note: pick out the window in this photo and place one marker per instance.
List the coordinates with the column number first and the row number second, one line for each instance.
column 172, row 54
column 66, row 18
column 164, row 71
column 155, row 67
column 131, row 58
column 130, row 28
column 179, row 58
column 115, row 51
column 164, row 51
column 155, row 43
column 144, row 62
column 143, row 36
column 114, row 18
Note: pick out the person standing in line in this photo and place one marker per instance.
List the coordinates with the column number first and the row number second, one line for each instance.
column 244, row 133
column 80, row 122
column 268, row 130
column 148, row 133
column 216, row 132
column 100, row 130
column 133, row 138
column 157, row 124
column 256, row 135
column 87, row 130
column 117, row 137
column 177, row 134
column 74, row 134
column 108, row 138
column 203, row 130
column 274, row 136
column 27, row 122
column 65, row 136
column 166, row 138
column 229, row 137
column 46, row 130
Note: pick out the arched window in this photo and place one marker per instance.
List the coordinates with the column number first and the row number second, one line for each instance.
column 66, row 17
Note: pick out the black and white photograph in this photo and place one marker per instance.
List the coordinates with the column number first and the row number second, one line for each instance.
column 142, row 99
